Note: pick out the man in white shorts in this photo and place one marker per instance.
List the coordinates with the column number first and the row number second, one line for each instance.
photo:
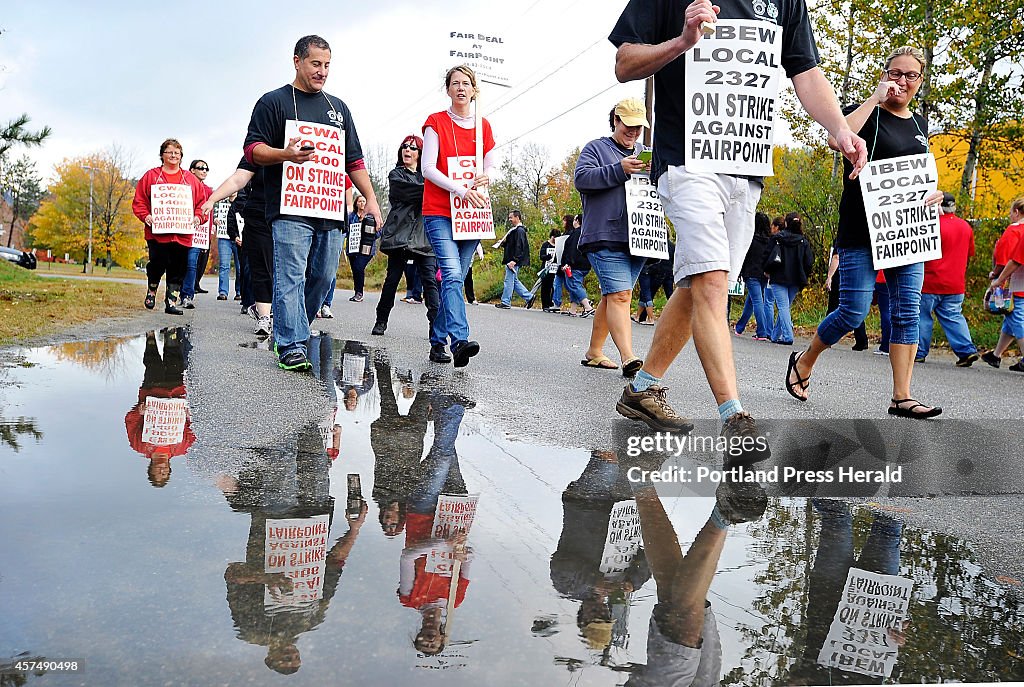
column 713, row 213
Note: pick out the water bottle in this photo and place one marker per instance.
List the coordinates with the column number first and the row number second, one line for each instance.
column 369, row 231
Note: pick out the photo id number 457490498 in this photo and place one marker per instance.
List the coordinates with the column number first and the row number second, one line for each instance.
column 40, row 666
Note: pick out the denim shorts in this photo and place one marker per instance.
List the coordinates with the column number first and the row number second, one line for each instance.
column 616, row 271
column 1013, row 324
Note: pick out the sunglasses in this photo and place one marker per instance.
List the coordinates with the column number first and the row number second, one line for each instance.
column 201, row 169
column 408, row 146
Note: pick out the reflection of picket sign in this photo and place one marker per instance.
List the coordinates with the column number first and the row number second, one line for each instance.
column 315, row 188
column 297, row 547
column 858, row 640
column 903, row 229
column 648, row 235
column 468, row 222
column 163, row 423
column 352, row 368
column 731, row 92
column 171, row 209
column 453, row 516
column 622, row 540
column 220, row 218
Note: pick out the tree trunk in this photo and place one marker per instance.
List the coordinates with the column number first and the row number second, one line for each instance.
column 974, row 149
column 929, row 55
column 844, row 91
column 109, row 261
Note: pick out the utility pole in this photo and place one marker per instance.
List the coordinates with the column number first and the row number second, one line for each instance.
column 89, row 259
column 649, row 104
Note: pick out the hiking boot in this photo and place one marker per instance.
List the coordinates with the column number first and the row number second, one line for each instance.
column 437, row 353
column 651, row 406
column 462, row 351
column 967, row 360
column 378, row 329
column 740, row 501
column 991, row 358
column 746, row 445
column 263, row 327
column 294, row 361
column 171, row 309
column 325, row 312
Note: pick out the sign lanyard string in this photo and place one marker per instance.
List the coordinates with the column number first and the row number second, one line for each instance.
column 329, row 104
column 878, row 117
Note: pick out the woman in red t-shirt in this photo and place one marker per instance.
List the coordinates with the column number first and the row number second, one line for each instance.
column 447, row 135
column 1002, row 255
column 167, row 252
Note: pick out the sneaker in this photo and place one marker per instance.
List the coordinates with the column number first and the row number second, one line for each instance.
column 755, row 337
column 150, row 302
column 750, row 446
column 918, row 360
column 991, row 358
column 220, row 296
column 502, row 306
column 462, row 351
column 358, row 298
column 530, row 301
column 294, row 361
column 651, row 406
column 1017, row 366
column 860, row 347
column 187, row 303
column 171, row 309
column 238, row 296
column 325, row 312
column 378, row 329
column 741, row 501
column 967, row 360
column 200, row 289
column 263, row 327
column 438, row 354
column 879, row 351
column 553, row 310
column 252, row 312
column 736, row 333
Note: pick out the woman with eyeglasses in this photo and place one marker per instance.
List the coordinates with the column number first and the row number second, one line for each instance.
column 890, row 129
column 446, row 134
column 198, row 256
column 167, row 252
column 403, row 239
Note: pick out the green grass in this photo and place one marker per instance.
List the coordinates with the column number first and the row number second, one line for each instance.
column 73, row 270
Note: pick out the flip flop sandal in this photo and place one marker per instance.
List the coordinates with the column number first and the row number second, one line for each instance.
column 631, row 367
column 899, row 411
column 801, row 382
column 599, row 363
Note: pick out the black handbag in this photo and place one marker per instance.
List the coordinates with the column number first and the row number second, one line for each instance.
column 404, row 230
column 774, row 260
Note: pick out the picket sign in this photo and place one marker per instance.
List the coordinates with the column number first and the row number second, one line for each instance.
column 468, row 222
column 315, row 188
column 902, row 228
column 172, row 209
column 648, row 235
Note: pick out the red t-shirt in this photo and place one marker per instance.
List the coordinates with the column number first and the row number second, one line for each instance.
column 142, row 205
column 946, row 275
column 453, row 141
column 1006, row 245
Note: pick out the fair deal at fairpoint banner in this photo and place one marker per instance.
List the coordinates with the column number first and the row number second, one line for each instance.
column 703, row 475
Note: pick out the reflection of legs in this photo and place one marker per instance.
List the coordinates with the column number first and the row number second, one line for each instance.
column 881, row 552
column 426, row 267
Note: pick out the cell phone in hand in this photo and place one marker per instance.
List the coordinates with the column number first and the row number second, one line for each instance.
column 645, row 156
column 304, row 148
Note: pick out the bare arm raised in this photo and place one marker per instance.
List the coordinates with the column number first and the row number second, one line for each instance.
column 638, row 61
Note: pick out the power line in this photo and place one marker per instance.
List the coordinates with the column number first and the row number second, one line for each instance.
column 544, row 78
column 539, row 126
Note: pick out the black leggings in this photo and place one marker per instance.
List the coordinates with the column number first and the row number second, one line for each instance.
column 168, row 257
column 427, row 266
column 258, row 246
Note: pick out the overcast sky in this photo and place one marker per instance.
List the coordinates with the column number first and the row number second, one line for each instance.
column 135, row 73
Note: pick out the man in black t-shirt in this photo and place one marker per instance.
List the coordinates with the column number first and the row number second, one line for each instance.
column 308, row 239
column 713, row 213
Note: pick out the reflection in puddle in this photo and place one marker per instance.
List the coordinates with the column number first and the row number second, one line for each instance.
column 486, row 561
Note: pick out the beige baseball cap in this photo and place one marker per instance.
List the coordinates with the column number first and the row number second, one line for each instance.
column 632, row 112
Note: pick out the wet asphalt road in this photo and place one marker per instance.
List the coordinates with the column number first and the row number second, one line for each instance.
column 528, row 381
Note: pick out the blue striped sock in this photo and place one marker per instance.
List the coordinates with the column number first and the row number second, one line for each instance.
column 728, row 409
column 643, row 381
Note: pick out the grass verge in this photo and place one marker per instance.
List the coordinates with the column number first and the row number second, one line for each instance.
column 32, row 306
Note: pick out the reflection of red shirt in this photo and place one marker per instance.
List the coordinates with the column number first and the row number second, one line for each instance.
column 1006, row 245
column 427, row 587
column 945, row 276
column 133, row 422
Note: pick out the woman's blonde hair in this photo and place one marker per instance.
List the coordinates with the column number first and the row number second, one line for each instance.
column 907, row 50
column 465, row 69
column 1018, row 205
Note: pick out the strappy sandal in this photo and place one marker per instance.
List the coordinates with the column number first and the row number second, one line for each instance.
column 801, row 382
column 899, row 411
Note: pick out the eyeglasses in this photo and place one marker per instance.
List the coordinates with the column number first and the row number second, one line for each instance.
column 408, row 146
column 896, row 75
column 201, row 169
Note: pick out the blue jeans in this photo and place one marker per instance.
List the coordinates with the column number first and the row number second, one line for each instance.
column 573, row 284
column 884, row 314
column 512, row 283
column 305, row 262
column 785, row 294
column 755, row 305
column 857, row 283
column 329, row 301
column 453, row 259
column 948, row 309
column 226, row 250
column 441, row 465
column 188, row 288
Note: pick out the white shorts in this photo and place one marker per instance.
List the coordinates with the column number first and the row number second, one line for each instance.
column 674, row 665
column 713, row 215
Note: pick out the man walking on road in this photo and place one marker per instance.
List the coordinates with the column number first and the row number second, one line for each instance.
column 713, row 212
column 944, row 287
column 308, row 237
column 517, row 256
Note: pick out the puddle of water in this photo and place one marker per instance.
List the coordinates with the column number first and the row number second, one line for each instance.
column 150, row 553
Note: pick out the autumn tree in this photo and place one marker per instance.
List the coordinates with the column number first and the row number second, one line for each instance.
column 560, row 196
column 62, row 222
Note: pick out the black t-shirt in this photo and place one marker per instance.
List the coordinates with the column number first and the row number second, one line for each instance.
column 267, row 126
column 886, row 135
column 655, row 21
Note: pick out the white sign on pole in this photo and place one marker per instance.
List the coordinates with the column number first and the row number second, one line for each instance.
column 355, row 236
column 453, row 516
column 731, row 91
column 220, row 218
column 648, row 235
column 903, row 229
column 171, row 208
column 163, row 422
column 622, row 540
column 201, row 238
column 241, row 223
column 315, row 188
column 485, row 54
column 859, row 640
column 468, row 222
column 560, row 247
column 297, row 548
